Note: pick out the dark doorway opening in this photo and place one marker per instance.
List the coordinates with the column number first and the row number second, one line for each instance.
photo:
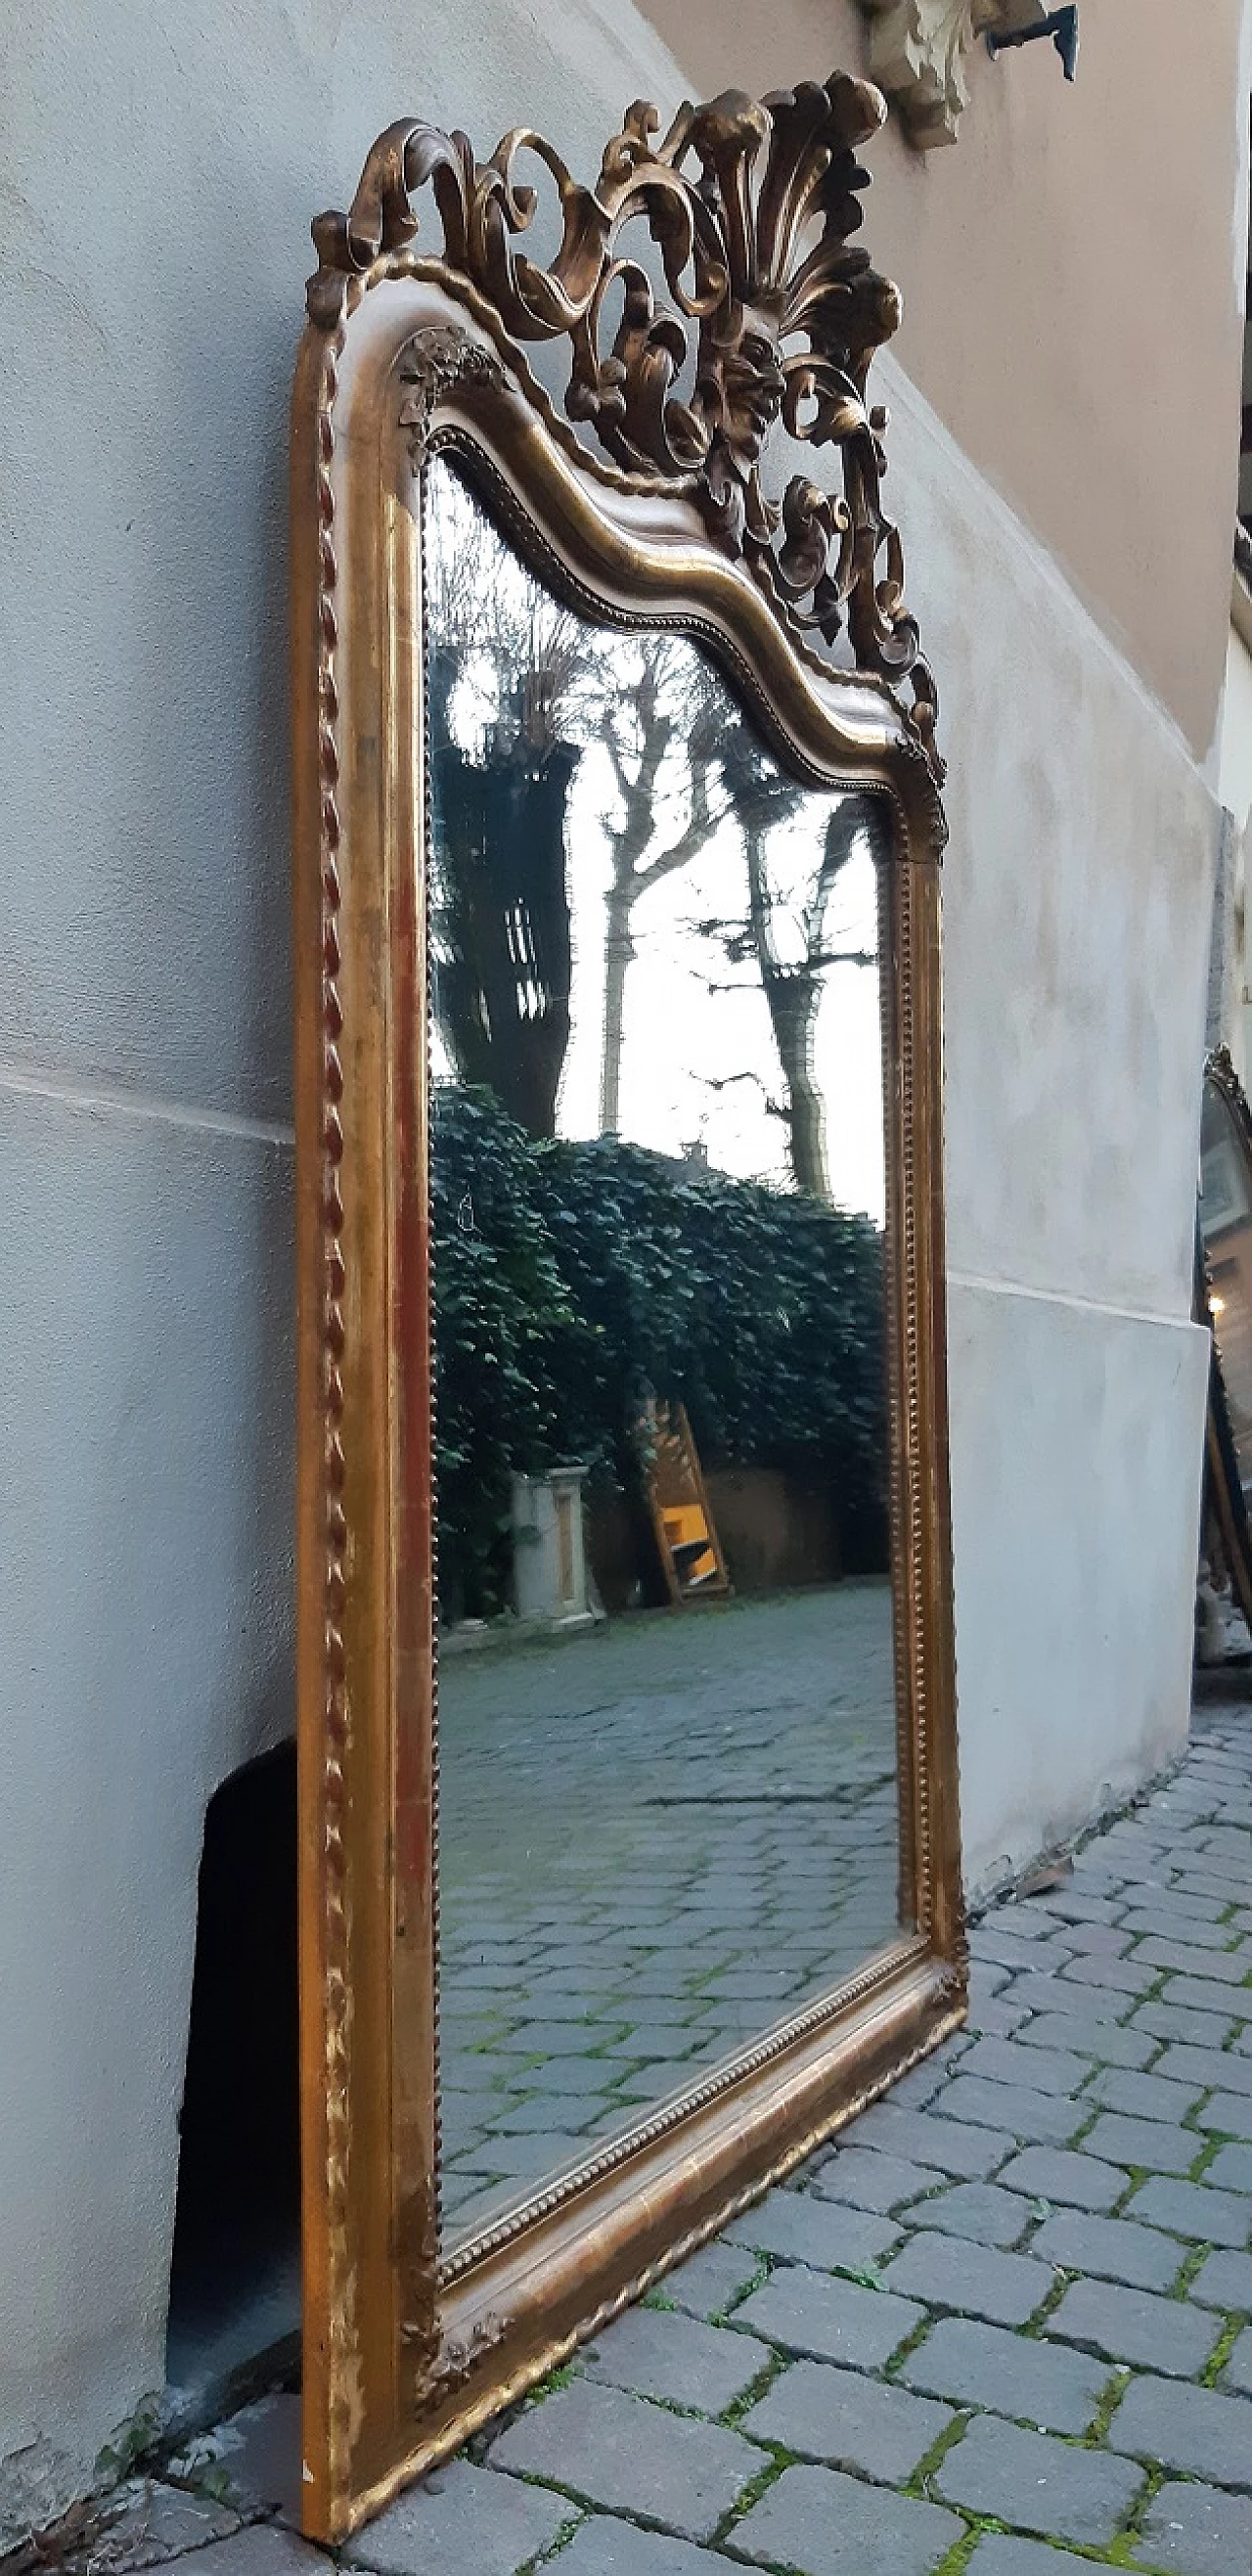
column 235, row 2277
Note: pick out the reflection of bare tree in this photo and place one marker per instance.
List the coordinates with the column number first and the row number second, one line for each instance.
column 517, row 667
column 789, row 940
column 669, row 707
column 520, row 687
column 500, row 915
column 533, row 686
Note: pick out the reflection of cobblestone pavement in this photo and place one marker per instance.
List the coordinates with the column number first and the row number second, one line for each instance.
column 1003, row 2329
column 655, row 1839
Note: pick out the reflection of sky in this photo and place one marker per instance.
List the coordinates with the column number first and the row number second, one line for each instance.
column 699, row 1063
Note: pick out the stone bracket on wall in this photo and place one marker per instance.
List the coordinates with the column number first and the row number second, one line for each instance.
column 917, row 54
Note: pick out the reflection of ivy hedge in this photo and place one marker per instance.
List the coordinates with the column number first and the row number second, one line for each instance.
column 573, row 1280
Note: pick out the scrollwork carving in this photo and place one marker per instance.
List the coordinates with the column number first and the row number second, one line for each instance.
column 768, row 322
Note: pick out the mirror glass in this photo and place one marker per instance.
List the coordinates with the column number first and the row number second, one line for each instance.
column 668, row 1812
column 1226, row 1227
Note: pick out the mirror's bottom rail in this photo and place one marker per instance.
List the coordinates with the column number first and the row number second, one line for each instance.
column 524, row 2308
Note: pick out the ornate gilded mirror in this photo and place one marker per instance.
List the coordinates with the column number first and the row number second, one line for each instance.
column 627, row 1738
column 1225, row 1298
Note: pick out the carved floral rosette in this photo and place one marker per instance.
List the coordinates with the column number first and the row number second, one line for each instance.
column 767, row 322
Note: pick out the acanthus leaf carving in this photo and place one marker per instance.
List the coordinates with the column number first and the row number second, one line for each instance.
column 917, row 54
column 440, row 2368
column 769, row 321
column 435, row 360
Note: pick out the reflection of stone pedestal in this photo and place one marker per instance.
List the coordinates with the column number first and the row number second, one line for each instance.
column 1221, row 1632
column 549, row 1563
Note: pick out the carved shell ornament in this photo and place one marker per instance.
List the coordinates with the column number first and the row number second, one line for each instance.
column 771, row 320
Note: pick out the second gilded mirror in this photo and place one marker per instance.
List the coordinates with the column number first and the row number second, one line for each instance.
column 629, row 1859
column 1225, row 1245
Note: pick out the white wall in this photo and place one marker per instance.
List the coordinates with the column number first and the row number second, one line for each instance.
column 145, row 1535
column 1078, row 896
column 1234, row 771
column 162, row 165
column 1232, row 999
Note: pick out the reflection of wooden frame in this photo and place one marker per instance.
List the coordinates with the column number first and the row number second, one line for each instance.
column 1225, row 1485
column 676, row 1493
column 408, row 352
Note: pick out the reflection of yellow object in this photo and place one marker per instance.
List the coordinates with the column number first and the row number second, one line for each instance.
column 691, row 1554
column 688, row 1533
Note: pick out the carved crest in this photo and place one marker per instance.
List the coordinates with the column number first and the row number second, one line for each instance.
column 770, row 320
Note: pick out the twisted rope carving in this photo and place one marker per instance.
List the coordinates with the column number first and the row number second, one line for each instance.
column 342, row 2357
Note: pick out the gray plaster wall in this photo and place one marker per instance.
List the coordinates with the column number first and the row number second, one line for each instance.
column 1078, row 906
column 161, row 167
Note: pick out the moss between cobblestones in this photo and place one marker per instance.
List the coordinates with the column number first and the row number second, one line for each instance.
column 767, row 2476
column 544, row 2557
column 764, row 2266
column 1214, row 2141
column 903, row 2351
column 751, row 2396
column 1122, row 2550
column 1194, row 2259
column 586, row 2504
column 962, row 2550
column 1087, row 2126
column 1062, row 2281
column 664, row 2405
column 1154, row 2479
column 552, row 2486
column 904, row 2209
column 919, row 2483
column 562, row 2377
column 1232, row 2328
column 1137, row 2174
column 1111, row 2396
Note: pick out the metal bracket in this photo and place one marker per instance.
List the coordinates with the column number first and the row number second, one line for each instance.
column 1060, row 24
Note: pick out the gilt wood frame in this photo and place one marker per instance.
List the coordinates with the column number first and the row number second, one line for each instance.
column 407, row 352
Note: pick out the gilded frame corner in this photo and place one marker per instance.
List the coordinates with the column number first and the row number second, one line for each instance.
column 407, row 354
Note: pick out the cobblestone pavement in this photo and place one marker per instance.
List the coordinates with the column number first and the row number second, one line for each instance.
column 1003, row 2325
column 700, row 1832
